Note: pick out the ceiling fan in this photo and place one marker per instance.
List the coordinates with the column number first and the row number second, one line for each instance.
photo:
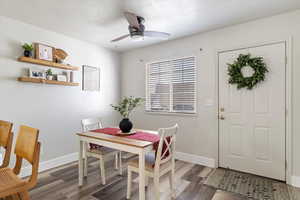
column 137, row 29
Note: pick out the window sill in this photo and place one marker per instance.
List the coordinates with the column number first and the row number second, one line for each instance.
column 172, row 114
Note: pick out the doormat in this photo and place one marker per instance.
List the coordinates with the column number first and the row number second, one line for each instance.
column 248, row 185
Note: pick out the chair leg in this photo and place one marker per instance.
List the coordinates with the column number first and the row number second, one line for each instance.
column 156, row 187
column 102, row 170
column 146, row 181
column 129, row 184
column 24, row 195
column 120, row 163
column 171, row 180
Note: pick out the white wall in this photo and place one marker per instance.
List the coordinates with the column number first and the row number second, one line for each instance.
column 198, row 135
column 55, row 110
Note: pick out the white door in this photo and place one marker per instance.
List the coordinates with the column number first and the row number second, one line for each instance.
column 252, row 133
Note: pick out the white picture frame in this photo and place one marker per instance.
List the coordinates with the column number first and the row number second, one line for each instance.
column 40, row 74
column 90, row 78
column 44, row 52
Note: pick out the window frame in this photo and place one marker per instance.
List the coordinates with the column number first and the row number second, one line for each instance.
column 191, row 114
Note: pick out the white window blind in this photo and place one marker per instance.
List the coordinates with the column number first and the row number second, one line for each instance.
column 171, row 86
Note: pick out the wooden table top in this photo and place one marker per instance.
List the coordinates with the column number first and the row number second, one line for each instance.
column 119, row 139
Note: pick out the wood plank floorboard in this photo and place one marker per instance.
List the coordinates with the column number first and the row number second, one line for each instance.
column 62, row 184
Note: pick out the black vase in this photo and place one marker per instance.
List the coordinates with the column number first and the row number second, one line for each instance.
column 27, row 53
column 125, row 125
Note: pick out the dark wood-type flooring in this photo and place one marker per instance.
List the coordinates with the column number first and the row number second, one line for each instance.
column 62, row 184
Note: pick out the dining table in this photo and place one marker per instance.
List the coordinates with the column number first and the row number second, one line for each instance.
column 131, row 144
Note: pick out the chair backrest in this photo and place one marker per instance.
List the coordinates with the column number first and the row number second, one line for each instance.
column 91, row 124
column 28, row 148
column 6, row 137
column 166, row 147
column 26, row 143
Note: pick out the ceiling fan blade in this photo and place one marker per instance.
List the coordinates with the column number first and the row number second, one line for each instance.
column 157, row 34
column 120, row 38
column 132, row 19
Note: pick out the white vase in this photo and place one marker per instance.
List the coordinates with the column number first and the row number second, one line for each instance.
column 68, row 73
column 50, row 77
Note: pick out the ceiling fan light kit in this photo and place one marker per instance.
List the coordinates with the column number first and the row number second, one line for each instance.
column 137, row 38
column 137, row 29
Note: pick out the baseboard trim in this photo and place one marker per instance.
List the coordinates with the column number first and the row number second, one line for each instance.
column 195, row 159
column 191, row 158
column 49, row 164
column 56, row 162
column 295, row 181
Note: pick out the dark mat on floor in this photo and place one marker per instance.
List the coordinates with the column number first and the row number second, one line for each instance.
column 250, row 186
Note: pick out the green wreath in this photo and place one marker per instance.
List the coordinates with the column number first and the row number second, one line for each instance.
column 236, row 75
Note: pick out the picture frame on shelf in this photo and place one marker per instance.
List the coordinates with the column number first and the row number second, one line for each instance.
column 44, row 52
column 62, row 78
column 90, row 78
column 40, row 74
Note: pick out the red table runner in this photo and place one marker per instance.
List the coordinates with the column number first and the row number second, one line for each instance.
column 139, row 135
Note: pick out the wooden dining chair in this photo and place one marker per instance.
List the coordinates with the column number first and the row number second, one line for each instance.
column 158, row 164
column 6, row 138
column 28, row 148
column 102, row 153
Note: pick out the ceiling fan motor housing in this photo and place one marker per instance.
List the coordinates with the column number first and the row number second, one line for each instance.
column 135, row 31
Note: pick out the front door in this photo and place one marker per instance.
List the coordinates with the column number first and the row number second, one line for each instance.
column 252, row 122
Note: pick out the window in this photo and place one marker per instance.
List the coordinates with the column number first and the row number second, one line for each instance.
column 171, row 86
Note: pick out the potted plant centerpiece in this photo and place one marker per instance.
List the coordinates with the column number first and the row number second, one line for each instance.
column 125, row 107
column 28, row 48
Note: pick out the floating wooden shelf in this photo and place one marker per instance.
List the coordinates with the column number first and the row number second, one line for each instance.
column 43, row 81
column 47, row 63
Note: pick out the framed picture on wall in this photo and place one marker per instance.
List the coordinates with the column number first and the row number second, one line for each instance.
column 90, row 78
column 44, row 52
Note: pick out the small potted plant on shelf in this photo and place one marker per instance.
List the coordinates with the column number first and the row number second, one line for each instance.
column 49, row 74
column 28, row 48
column 125, row 107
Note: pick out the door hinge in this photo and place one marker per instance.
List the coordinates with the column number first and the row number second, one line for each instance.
column 286, row 60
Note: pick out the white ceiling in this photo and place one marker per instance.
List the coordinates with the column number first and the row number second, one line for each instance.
column 99, row 21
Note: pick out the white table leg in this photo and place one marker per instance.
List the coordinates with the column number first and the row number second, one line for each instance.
column 120, row 163
column 85, row 168
column 80, row 163
column 116, row 161
column 142, row 175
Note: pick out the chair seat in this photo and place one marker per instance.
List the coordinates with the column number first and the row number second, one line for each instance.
column 102, row 151
column 8, row 180
column 149, row 163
